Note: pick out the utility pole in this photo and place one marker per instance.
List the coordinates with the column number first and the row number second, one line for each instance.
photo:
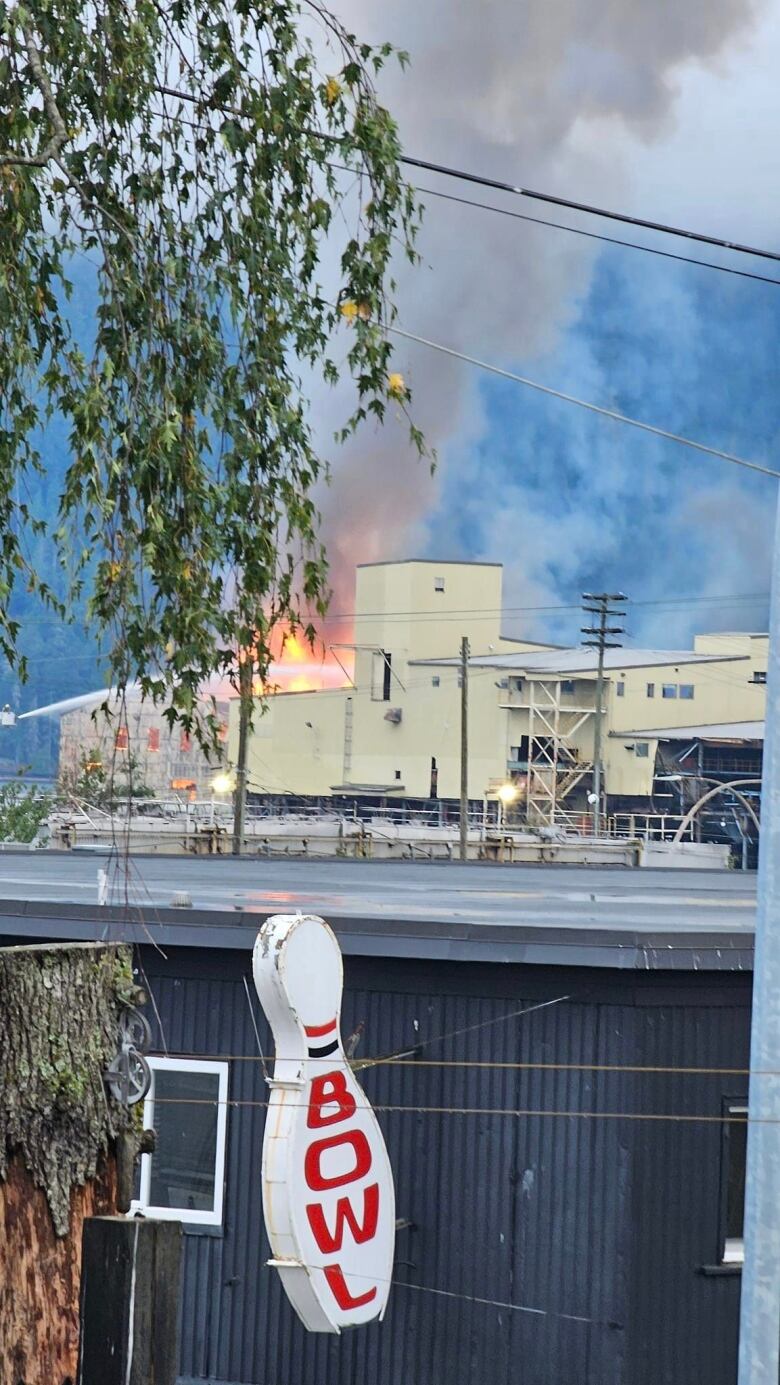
column 464, row 747
column 600, row 604
column 245, row 678
column 759, row 1335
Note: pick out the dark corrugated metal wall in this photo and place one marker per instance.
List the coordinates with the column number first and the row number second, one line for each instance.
column 595, row 1229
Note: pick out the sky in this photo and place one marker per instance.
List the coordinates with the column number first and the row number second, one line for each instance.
column 665, row 111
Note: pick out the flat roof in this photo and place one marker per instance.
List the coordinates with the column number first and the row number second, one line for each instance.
column 568, row 661
column 576, row 916
column 432, row 562
column 708, row 731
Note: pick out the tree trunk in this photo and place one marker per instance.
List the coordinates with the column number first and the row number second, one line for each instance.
column 59, row 1019
column 40, row 1274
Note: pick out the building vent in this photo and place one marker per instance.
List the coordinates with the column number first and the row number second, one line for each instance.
column 393, row 714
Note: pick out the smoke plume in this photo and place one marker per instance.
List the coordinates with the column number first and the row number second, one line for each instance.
column 543, row 95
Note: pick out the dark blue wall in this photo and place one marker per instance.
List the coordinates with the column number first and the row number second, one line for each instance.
column 606, row 1220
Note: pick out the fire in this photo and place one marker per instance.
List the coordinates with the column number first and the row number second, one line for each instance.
column 297, row 667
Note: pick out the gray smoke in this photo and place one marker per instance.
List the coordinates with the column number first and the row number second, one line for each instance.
column 513, row 90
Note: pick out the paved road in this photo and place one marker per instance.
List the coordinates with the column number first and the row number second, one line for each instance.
column 557, row 896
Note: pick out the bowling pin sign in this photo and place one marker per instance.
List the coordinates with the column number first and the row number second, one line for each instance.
column 328, row 1197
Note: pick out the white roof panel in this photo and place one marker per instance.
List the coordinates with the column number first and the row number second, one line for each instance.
column 713, row 731
column 574, row 661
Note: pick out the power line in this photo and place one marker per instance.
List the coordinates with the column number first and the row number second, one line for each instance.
column 589, row 209
column 587, row 235
column 682, row 1118
column 500, row 1064
column 516, row 191
column 585, row 404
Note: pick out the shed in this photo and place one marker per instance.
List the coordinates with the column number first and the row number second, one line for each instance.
column 564, row 1108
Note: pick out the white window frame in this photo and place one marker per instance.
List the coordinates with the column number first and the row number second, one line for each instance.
column 734, row 1246
column 186, row 1214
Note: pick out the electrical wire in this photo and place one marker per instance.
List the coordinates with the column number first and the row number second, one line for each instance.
column 684, row 1118
column 584, row 403
column 481, row 180
column 580, row 231
column 501, row 1065
column 590, row 210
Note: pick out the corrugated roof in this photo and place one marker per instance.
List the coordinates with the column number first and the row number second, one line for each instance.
column 713, row 731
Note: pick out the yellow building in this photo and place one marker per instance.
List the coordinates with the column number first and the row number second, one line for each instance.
column 531, row 706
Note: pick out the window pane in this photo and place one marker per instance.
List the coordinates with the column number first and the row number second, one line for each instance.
column 621, row 689
column 735, row 1195
column 669, row 690
column 651, row 690
column 185, row 1155
column 686, row 691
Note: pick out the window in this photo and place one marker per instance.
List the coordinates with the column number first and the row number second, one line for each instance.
column 438, row 584
column 734, row 1162
column 398, row 774
column 620, row 689
column 759, row 675
column 185, row 742
column 651, row 690
column 641, row 750
column 686, row 691
column 435, row 681
column 380, row 676
column 187, row 1106
column 122, row 738
column 567, row 685
column 669, row 690
column 153, row 739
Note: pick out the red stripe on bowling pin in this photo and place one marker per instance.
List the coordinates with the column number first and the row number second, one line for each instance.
column 318, row 1031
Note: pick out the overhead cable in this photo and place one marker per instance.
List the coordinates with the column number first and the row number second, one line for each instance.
column 589, row 209
column 207, row 105
column 580, row 231
column 584, row 403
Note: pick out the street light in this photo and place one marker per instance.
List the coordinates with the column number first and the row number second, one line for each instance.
column 507, row 794
column 223, row 783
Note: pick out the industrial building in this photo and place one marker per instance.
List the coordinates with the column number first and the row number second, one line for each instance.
column 165, row 760
column 395, row 733
column 568, row 1192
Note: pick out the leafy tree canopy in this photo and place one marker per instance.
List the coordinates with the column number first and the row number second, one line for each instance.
column 191, row 151
column 22, row 810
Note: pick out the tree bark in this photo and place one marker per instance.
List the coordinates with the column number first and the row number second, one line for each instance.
column 40, row 1275
column 59, row 1029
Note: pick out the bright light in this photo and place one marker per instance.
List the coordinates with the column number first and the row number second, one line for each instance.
column 223, row 783
column 507, row 793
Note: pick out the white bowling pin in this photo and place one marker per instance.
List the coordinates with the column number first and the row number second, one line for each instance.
column 328, row 1197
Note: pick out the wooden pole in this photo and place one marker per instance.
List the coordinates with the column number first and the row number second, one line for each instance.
column 464, row 747
column 130, row 1272
column 245, row 679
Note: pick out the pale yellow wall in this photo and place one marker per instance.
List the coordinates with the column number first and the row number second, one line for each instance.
column 722, row 692
column 430, row 727
column 286, row 755
column 398, row 609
